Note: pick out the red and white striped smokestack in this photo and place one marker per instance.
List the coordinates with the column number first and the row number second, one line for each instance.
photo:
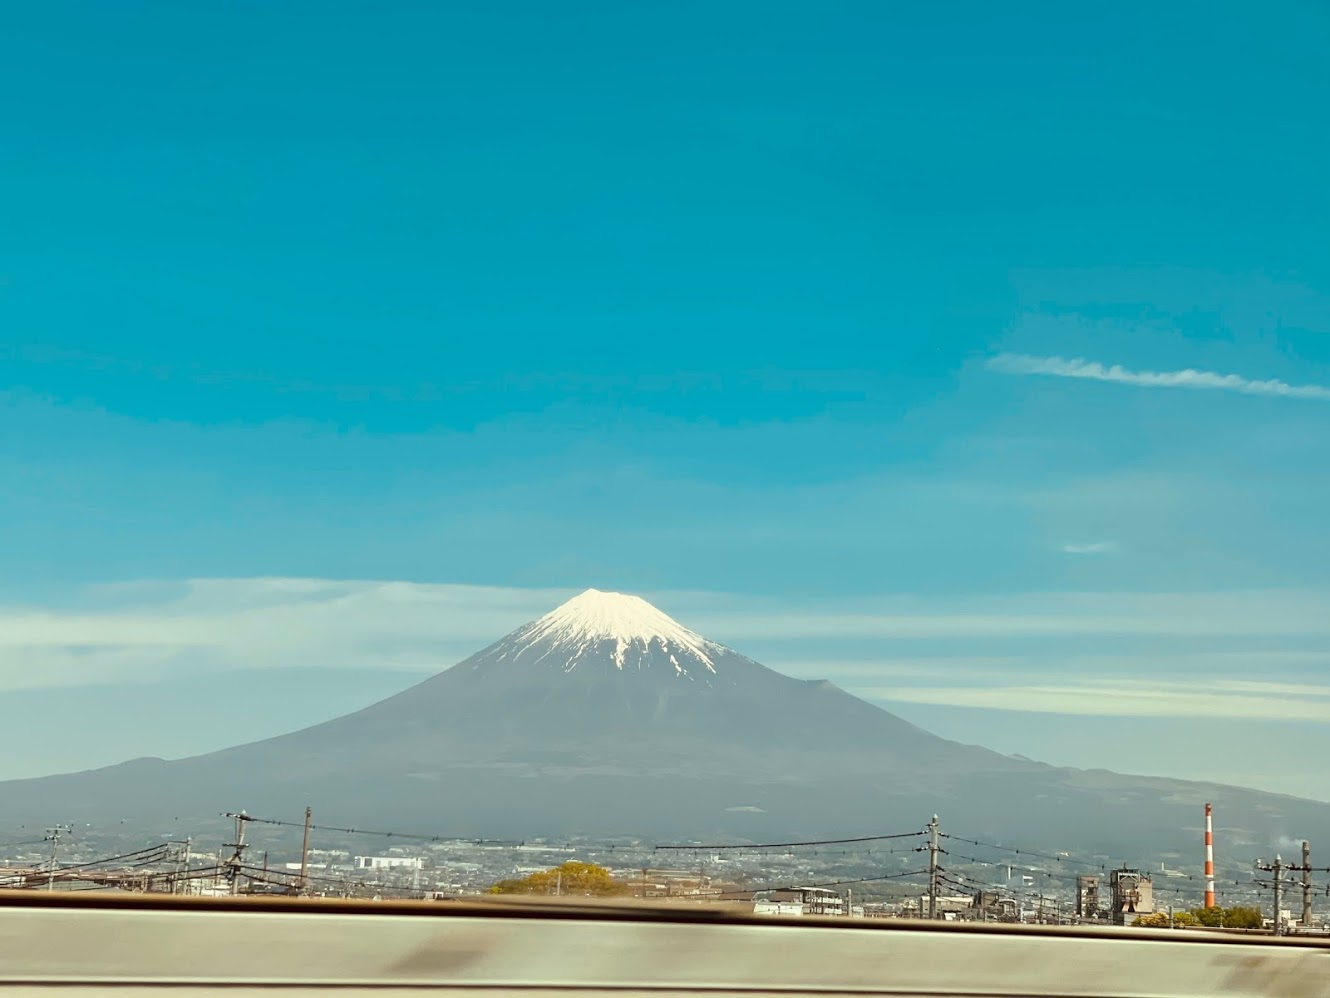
column 1209, row 860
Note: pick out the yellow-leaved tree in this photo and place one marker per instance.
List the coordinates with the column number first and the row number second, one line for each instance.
column 572, row 878
column 1162, row 920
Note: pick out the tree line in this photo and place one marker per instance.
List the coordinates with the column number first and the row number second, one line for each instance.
column 1236, row 917
column 573, row 878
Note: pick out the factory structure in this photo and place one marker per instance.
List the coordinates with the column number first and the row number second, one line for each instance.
column 1087, row 898
column 1132, row 893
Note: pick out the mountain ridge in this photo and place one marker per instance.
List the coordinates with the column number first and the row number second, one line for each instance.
column 606, row 716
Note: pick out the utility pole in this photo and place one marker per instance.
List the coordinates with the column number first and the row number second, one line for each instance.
column 1279, row 874
column 1306, row 885
column 1279, row 868
column 235, row 863
column 189, row 846
column 53, row 836
column 932, row 868
column 175, row 872
column 181, row 862
column 304, row 854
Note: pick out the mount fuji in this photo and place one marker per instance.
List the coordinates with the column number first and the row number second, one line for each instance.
column 607, row 717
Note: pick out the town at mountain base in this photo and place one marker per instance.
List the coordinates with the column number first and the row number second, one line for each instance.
column 608, row 718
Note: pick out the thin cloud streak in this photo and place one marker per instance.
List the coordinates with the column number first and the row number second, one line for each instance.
column 1098, row 547
column 1189, row 378
column 1141, row 698
column 153, row 631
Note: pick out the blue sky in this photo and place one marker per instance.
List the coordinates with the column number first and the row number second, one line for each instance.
column 801, row 306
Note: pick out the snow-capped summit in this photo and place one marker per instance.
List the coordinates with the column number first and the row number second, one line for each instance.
column 606, row 717
column 633, row 626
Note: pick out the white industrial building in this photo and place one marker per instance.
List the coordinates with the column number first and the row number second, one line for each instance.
column 388, row 863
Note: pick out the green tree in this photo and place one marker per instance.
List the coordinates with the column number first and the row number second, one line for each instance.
column 1161, row 920
column 1241, row 917
column 572, row 878
column 1211, row 918
column 1237, row 917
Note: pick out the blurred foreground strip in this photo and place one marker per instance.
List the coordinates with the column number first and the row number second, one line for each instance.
column 54, row 945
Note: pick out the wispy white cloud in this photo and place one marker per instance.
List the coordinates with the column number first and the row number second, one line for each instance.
column 148, row 630
column 1061, row 367
column 1208, row 669
column 1097, row 547
column 1131, row 698
column 152, row 630
column 1029, row 616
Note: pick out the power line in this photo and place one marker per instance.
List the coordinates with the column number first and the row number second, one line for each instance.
column 1026, row 852
column 162, row 848
column 1023, row 869
column 950, row 881
column 137, row 854
column 201, row 873
column 786, row 845
column 345, row 882
column 424, row 837
column 414, row 836
column 806, row 887
column 973, row 885
column 143, row 858
column 1035, row 871
column 760, row 851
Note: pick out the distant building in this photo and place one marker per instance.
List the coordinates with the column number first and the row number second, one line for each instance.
column 1133, row 895
column 992, row 906
column 812, row 900
column 786, row 909
column 1087, row 897
column 800, row 901
column 388, row 863
column 948, row 904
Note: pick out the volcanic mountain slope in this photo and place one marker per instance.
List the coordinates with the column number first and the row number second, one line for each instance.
column 608, row 717
column 608, row 683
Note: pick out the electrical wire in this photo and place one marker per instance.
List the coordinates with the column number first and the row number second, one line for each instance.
column 786, row 845
column 801, row 887
column 1195, row 882
column 162, row 848
column 147, row 856
column 1024, row 852
column 414, row 836
column 248, row 873
column 422, row 837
